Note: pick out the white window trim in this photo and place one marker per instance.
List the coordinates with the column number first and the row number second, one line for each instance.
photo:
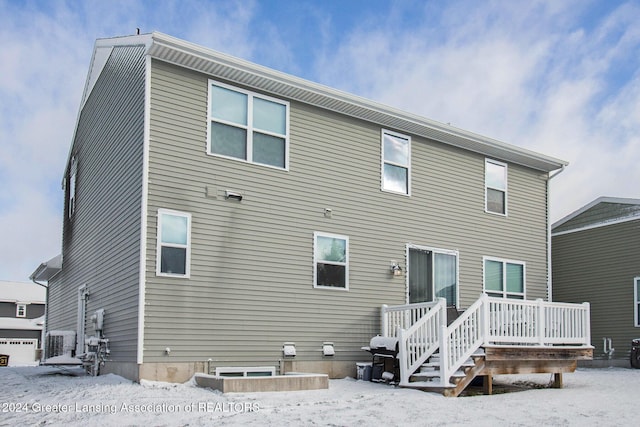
column 249, row 126
column 506, row 187
column 24, row 310
column 159, row 244
column 245, row 370
column 636, row 281
column 383, row 162
column 434, row 250
column 504, row 276
column 317, row 234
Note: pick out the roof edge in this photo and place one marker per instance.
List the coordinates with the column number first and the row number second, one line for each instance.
column 601, row 199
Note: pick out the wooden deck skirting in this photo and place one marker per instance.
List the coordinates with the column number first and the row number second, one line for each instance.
column 500, row 360
column 503, row 360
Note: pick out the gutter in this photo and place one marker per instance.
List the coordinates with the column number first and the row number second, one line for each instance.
column 549, row 270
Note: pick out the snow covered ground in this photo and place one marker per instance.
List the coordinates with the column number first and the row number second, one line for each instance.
column 38, row 396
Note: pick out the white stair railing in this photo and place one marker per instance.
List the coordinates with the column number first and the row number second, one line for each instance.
column 420, row 341
column 461, row 339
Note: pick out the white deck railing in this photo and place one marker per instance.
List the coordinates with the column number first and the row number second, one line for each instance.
column 402, row 316
column 422, row 328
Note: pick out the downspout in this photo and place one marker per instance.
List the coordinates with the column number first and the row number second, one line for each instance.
column 549, row 279
column 43, row 334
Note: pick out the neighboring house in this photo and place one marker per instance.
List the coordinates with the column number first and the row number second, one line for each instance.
column 596, row 258
column 22, row 309
column 217, row 209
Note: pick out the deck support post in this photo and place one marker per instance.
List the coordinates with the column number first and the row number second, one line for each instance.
column 487, row 384
column 557, row 380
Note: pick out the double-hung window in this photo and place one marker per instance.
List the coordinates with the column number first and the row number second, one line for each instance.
column 396, row 162
column 495, row 186
column 504, row 278
column 21, row 310
column 174, row 243
column 248, row 126
column 73, row 170
column 636, row 299
column 331, row 261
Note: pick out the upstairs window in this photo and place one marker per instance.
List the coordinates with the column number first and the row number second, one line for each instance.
column 247, row 126
column 496, row 187
column 174, row 243
column 331, row 261
column 73, row 170
column 21, row 310
column 505, row 279
column 396, row 162
column 636, row 297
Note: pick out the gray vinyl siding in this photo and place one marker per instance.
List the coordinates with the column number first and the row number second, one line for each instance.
column 251, row 284
column 10, row 309
column 598, row 266
column 102, row 240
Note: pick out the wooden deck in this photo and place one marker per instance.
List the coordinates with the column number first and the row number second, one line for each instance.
column 493, row 336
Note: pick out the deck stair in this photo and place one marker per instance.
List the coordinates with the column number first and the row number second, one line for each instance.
column 523, row 336
column 428, row 377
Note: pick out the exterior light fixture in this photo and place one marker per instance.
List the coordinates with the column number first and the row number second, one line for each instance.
column 395, row 269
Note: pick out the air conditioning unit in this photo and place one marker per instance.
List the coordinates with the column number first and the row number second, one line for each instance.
column 60, row 343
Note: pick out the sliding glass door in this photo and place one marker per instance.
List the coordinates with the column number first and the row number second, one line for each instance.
column 433, row 273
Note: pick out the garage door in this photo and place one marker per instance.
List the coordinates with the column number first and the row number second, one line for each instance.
column 21, row 352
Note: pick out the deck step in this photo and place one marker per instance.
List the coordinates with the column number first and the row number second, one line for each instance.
column 425, row 376
column 430, row 365
column 457, row 375
column 428, row 385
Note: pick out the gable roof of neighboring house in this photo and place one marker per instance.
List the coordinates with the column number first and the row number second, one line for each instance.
column 179, row 52
column 599, row 213
column 18, row 292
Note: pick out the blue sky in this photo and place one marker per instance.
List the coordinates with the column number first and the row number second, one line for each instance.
column 558, row 77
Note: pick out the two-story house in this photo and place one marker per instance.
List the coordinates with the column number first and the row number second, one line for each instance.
column 217, row 209
column 22, row 308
